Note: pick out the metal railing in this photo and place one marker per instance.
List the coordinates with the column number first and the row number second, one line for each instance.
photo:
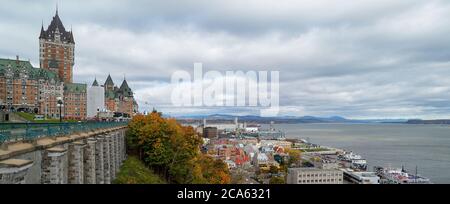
column 13, row 132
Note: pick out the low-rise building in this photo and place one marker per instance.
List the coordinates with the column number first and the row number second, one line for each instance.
column 261, row 160
column 325, row 164
column 281, row 143
column 210, row 132
column 267, row 149
column 355, row 177
column 314, row 176
column 250, row 149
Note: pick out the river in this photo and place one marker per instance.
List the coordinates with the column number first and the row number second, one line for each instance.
column 424, row 146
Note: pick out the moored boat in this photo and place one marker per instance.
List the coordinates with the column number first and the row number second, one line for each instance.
column 399, row 176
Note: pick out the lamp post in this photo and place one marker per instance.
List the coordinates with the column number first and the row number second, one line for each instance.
column 60, row 105
column 98, row 114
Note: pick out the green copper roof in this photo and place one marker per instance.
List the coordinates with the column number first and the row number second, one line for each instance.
column 95, row 82
column 124, row 85
column 14, row 63
column 75, row 88
column 19, row 65
column 125, row 89
column 110, row 94
column 109, row 81
column 116, row 92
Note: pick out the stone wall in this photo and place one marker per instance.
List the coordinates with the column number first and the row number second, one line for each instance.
column 99, row 161
column 76, row 162
column 13, row 171
column 107, row 160
column 53, row 168
column 85, row 159
column 89, row 162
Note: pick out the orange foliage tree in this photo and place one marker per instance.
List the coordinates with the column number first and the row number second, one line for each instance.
column 173, row 151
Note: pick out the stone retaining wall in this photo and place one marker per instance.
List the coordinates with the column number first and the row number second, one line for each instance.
column 87, row 158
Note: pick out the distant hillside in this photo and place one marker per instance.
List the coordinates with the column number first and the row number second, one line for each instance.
column 285, row 119
column 443, row 121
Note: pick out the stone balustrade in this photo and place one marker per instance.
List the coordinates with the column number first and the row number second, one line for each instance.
column 86, row 158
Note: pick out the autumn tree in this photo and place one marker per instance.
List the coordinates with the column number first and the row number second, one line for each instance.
column 173, row 151
column 277, row 180
column 211, row 171
column 273, row 169
column 294, row 157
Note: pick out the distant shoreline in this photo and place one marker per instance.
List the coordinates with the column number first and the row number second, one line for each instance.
column 308, row 120
column 430, row 122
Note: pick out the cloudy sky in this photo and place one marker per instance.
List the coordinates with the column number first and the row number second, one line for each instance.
column 357, row 59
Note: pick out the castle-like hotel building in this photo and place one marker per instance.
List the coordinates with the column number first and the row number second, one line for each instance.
column 24, row 88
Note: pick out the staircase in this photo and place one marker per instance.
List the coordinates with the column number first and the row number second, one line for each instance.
column 8, row 117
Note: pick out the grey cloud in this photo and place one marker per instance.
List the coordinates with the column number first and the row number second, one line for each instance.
column 359, row 59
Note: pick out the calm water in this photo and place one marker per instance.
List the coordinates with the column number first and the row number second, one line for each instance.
column 427, row 146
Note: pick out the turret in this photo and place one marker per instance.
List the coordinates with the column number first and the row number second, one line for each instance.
column 95, row 82
column 109, row 84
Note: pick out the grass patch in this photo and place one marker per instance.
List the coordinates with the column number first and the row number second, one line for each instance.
column 30, row 117
column 133, row 171
column 26, row 116
column 315, row 150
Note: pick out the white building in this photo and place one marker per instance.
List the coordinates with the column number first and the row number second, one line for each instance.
column 281, row 143
column 314, row 176
column 95, row 100
column 223, row 126
column 250, row 148
column 260, row 159
column 251, row 129
column 325, row 164
column 361, row 177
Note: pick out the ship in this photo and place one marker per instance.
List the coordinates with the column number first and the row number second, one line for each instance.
column 399, row 176
column 349, row 156
column 356, row 161
column 360, row 164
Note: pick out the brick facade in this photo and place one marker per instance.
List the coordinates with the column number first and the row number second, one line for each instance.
column 75, row 97
column 25, row 88
column 57, row 49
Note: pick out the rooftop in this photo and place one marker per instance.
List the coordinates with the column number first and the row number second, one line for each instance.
column 18, row 66
column 75, row 87
column 57, row 27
